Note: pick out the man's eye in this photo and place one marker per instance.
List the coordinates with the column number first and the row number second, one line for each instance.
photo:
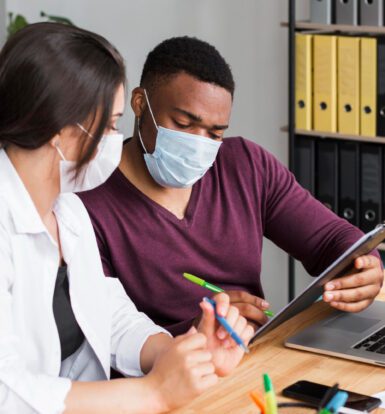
column 182, row 126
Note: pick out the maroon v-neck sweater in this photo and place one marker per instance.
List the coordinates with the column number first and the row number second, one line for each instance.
column 246, row 195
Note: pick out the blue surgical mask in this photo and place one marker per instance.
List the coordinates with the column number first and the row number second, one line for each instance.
column 180, row 159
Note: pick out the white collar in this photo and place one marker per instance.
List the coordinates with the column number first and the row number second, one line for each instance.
column 22, row 209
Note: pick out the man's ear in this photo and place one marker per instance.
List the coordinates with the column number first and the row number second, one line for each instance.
column 138, row 101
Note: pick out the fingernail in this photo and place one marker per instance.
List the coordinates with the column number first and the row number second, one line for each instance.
column 328, row 296
column 265, row 304
column 227, row 343
column 221, row 311
column 330, row 286
column 221, row 335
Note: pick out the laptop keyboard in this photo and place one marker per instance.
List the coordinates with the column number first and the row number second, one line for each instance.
column 374, row 343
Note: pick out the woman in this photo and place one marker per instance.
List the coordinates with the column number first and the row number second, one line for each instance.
column 62, row 323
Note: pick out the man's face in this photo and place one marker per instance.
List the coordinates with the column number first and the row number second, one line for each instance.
column 186, row 104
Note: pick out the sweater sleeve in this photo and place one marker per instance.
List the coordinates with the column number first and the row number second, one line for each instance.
column 300, row 224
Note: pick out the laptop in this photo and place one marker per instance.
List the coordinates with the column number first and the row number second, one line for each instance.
column 371, row 322
column 360, row 337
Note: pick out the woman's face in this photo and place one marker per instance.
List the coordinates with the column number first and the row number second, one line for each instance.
column 73, row 142
column 117, row 111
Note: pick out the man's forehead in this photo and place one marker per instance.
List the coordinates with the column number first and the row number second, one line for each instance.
column 199, row 98
column 184, row 87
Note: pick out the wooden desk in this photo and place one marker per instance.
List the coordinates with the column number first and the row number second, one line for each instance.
column 286, row 366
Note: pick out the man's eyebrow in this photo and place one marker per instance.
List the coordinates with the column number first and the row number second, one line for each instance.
column 197, row 118
column 217, row 127
column 192, row 116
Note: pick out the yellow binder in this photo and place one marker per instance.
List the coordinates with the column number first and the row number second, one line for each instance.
column 325, row 83
column 349, row 85
column 303, row 81
column 369, row 86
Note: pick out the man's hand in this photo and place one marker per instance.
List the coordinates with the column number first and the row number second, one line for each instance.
column 356, row 290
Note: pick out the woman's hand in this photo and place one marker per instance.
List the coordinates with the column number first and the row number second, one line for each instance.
column 356, row 290
column 182, row 372
column 226, row 354
column 250, row 306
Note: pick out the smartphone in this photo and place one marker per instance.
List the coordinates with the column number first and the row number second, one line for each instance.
column 312, row 392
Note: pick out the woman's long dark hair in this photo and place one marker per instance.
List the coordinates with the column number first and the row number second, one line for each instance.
column 52, row 76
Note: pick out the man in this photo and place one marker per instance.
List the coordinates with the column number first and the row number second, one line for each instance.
column 166, row 211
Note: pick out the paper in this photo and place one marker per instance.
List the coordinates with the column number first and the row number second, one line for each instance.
column 381, row 396
column 346, row 410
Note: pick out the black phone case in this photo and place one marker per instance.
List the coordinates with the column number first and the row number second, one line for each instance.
column 355, row 401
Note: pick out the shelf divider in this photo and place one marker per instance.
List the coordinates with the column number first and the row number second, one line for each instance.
column 332, row 135
column 306, row 25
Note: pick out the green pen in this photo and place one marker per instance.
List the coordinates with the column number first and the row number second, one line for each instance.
column 198, row 281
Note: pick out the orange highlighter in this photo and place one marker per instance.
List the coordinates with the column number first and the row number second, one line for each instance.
column 258, row 401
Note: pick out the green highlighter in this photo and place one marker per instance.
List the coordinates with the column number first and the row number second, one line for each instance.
column 271, row 403
column 198, row 281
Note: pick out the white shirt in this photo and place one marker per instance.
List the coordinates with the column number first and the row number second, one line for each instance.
column 32, row 377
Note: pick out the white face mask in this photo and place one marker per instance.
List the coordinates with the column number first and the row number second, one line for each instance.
column 180, row 159
column 97, row 171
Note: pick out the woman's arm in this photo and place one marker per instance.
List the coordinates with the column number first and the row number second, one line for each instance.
column 182, row 370
column 153, row 347
column 121, row 396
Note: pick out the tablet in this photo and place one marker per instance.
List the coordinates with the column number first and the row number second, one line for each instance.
column 363, row 246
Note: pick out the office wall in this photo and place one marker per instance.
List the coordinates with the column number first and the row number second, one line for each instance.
column 246, row 32
column 3, row 21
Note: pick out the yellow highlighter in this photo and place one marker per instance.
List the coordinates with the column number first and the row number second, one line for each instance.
column 271, row 402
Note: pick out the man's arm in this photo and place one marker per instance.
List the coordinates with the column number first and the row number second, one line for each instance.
column 313, row 234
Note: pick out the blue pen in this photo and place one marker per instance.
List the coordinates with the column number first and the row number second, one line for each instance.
column 337, row 402
column 225, row 324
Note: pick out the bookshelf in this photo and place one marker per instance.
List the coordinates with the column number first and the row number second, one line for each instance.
column 293, row 26
column 332, row 135
column 342, row 28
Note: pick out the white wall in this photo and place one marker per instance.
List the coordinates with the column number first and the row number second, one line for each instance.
column 3, row 22
column 246, row 32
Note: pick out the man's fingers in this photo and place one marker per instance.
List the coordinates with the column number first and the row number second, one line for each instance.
column 368, row 277
column 366, row 262
column 240, row 296
column 251, row 313
column 351, row 307
column 352, row 295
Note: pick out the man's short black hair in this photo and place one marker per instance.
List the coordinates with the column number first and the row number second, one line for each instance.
column 190, row 55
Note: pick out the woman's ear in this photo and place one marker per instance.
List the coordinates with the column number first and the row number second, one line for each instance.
column 138, row 101
column 55, row 141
